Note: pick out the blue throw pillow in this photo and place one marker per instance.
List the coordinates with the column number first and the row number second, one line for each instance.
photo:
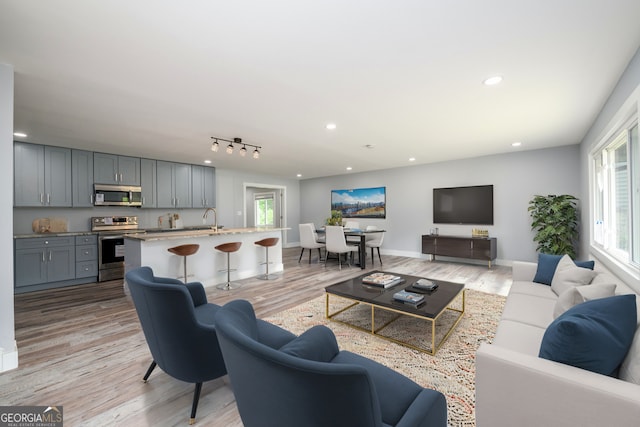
column 594, row 335
column 317, row 343
column 547, row 265
column 546, row 268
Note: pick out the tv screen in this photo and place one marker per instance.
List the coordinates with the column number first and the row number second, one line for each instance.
column 463, row 205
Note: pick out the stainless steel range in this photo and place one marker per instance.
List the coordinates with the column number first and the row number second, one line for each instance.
column 111, row 230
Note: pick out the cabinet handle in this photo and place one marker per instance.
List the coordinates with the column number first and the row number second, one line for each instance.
column 143, row 200
column 41, row 198
column 48, row 198
column 42, row 256
column 115, row 177
column 49, row 255
column 91, row 198
column 120, row 177
column 177, row 202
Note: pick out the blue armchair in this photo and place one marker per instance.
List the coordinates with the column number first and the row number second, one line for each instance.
column 309, row 381
column 179, row 326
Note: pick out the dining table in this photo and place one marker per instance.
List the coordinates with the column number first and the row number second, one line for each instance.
column 362, row 234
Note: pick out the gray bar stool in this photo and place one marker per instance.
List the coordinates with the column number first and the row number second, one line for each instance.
column 228, row 248
column 267, row 243
column 184, row 251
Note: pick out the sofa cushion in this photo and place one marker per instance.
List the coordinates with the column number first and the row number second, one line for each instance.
column 547, row 265
column 534, row 289
column 594, row 335
column 630, row 368
column 532, row 310
column 518, row 336
column 317, row 343
column 579, row 294
column 568, row 275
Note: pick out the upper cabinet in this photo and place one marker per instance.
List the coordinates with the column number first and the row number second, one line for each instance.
column 173, row 185
column 203, row 182
column 42, row 175
column 112, row 169
column 148, row 183
column 82, row 178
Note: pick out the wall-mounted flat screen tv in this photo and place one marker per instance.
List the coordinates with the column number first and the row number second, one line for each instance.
column 463, row 205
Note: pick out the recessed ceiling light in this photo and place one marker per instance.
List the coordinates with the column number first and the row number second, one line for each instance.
column 207, row 161
column 412, row 159
column 20, row 134
column 369, row 146
column 299, row 175
column 331, row 126
column 516, row 144
column 349, row 168
column 494, row 80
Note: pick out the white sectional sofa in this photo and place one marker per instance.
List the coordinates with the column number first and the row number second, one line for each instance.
column 515, row 387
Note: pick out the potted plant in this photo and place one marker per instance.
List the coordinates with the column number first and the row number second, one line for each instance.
column 555, row 221
column 335, row 219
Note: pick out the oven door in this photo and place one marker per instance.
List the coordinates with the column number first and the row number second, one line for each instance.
column 110, row 251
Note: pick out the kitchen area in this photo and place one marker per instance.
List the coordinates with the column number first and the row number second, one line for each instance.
column 73, row 210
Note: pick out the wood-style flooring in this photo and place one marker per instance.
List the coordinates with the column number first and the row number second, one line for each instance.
column 82, row 347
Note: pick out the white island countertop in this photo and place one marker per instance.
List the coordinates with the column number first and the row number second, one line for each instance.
column 150, row 249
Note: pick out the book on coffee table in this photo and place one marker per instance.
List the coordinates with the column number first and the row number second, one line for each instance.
column 384, row 280
column 408, row 297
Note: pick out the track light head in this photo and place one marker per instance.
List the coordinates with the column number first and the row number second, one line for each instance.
column 215, row 146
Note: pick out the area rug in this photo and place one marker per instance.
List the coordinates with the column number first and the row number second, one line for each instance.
column 451, row 371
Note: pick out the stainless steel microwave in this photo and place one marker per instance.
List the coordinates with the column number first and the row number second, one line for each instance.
column 117, row 195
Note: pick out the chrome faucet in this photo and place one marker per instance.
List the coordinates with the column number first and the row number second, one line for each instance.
column 215, row 217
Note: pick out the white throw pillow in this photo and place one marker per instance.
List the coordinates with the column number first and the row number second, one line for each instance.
column 630, row 368
column 579, row 294
column 568, row 275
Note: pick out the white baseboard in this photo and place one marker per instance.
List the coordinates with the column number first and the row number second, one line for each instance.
column 9, row 359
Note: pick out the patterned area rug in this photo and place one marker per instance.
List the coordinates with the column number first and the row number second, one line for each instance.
column 451, row 371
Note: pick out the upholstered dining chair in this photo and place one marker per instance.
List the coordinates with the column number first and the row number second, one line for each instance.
column 309, row 382
column 337, row 244
column 352, row 225
column 374, row 240
column 308, row 240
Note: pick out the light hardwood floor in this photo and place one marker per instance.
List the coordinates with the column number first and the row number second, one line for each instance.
column 82, row 347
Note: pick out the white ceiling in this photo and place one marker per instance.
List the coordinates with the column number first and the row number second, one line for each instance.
column 157, row 79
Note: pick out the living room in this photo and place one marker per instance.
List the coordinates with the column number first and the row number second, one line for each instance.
column 517, row 174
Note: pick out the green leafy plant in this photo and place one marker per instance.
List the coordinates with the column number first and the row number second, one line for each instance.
column 555, row 221
column 335, row 219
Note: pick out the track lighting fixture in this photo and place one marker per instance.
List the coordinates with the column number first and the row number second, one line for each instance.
column 215, row 146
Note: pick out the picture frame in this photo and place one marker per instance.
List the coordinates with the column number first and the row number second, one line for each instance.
column 360, row 202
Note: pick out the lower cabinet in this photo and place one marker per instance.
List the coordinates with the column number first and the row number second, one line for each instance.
column 481, row 248
column 42, row 263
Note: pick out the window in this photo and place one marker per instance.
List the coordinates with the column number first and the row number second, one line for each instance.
column 616, row 198
column 263, row 203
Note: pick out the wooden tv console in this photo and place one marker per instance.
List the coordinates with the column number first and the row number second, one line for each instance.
column 483, row 248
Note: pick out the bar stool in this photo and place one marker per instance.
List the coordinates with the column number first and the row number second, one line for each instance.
column 184, row 251
column 228, row 248
column 266, row 243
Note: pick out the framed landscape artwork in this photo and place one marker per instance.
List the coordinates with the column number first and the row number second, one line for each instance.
column 360, row 202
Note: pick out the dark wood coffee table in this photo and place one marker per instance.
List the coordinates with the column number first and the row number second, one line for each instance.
column 437, row 303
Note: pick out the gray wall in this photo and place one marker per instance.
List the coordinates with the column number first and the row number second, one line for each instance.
column 516, row 178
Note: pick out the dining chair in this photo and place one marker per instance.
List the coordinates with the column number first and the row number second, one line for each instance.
column 337, row 244
column 308, row 240
column 352, row 225
column 374, row 240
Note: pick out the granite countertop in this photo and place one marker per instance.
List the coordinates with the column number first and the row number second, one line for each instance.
column 62, row 234
column 166, row 234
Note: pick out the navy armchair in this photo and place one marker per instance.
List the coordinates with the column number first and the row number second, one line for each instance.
column 308, row 381
column 179, row 326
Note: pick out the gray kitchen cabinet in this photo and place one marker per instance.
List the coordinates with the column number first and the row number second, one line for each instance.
column 41, row 260
column 86, row 256
column 173, row 184
column 82, row 178
column 203, row 181
column 113, row 169
column 42, row 175
column 148, row 183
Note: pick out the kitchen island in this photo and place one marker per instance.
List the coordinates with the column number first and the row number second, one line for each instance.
column 150, row 249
